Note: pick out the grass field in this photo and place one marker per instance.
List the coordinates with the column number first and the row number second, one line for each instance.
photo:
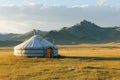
column 82, row 62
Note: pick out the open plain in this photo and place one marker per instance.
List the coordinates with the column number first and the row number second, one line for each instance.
column 76, row 62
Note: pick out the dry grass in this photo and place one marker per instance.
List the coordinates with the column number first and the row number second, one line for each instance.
column 91, row 63
column 91, row 52
column 96, row 50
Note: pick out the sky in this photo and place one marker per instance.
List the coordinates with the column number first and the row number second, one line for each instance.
column 19, row 16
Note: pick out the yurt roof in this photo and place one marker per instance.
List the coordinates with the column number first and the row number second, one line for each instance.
column 35, row 42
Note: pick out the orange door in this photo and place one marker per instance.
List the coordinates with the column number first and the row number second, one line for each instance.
column 49, row 51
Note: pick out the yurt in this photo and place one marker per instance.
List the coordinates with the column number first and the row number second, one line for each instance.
column 36, row 46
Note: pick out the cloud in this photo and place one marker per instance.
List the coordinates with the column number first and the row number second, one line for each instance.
column 83, row 6
column 101, row 2
column 7, row 5
column 20, row 19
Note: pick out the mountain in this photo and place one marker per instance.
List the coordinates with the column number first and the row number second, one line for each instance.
column 83, row 32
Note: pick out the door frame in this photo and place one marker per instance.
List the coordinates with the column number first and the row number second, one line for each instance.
column 49, row 55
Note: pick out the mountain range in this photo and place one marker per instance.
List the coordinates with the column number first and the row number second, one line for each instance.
column 83, row 32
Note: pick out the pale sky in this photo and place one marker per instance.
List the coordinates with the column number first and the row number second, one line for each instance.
column 19, row 16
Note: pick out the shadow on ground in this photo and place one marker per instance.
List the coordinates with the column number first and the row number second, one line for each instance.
column 91, row 58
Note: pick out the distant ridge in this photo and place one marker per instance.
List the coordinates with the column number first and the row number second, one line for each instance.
column 83, row 32
column 29, row 34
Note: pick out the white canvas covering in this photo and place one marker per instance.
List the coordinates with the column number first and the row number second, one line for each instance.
column 35, row 46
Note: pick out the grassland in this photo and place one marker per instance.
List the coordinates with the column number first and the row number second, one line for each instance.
column 82, row 62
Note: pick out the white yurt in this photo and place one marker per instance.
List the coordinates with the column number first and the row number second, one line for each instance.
column 36, row 46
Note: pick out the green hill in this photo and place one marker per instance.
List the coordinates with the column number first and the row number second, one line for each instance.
column 9, row 43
